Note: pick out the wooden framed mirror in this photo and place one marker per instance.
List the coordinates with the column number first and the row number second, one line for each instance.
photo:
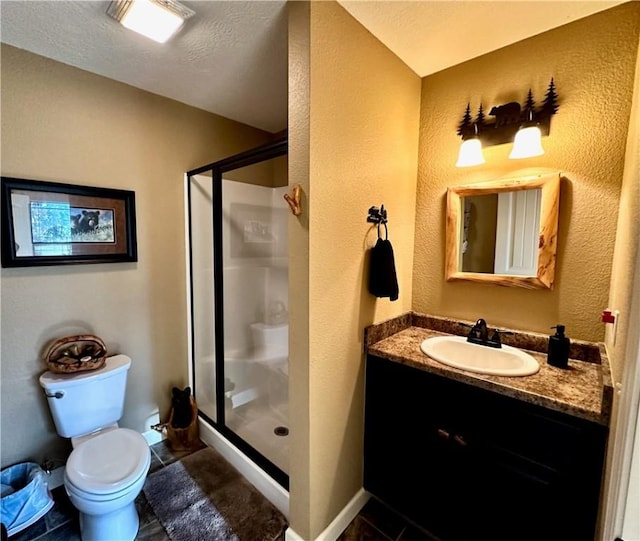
column 504, row 232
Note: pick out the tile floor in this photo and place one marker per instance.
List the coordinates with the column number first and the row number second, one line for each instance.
column 374, row 523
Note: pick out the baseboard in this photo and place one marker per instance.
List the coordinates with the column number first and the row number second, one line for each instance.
column 271, row 490
column 153, row 436
column 55, row 478
column 338, row 524
column 344, row 517
column 290, row 535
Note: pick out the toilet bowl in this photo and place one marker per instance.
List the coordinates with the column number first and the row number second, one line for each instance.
column 108, row 465
column 103, row 476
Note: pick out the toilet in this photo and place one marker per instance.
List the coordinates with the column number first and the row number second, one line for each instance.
column 108, row 465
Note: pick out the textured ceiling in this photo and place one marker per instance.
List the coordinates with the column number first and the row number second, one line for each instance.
column 231, row 57
column 431, row 36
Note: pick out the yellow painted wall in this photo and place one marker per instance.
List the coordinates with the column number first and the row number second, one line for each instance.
column 592, row 61
column 363, row 118
column 627, row 239
column 623, row 296
column 299, row 385
column 63, row 124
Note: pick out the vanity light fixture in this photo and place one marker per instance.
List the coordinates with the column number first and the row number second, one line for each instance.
column 154, row 19
column 524, row 126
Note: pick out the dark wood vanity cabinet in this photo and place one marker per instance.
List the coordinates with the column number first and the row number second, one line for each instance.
column 473, row 465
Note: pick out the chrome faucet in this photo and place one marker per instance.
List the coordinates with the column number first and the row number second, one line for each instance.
column 479, row 334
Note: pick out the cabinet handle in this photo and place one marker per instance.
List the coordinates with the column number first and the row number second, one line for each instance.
column 443, row 434
column 460, row 440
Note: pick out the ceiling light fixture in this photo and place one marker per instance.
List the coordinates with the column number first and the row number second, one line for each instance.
column 155, row 19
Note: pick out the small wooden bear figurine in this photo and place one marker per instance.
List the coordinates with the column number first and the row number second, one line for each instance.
column 182, row 428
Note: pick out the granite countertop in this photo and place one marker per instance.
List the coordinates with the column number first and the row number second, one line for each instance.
column 584, row 390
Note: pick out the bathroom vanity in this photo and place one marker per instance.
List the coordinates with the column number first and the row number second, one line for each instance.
column 477, row 457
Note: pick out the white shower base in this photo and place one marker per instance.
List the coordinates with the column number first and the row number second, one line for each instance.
column 255, row 423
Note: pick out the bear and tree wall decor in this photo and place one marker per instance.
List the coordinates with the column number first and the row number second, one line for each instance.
column 509, row 117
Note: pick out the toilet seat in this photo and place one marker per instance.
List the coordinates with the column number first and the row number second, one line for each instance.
column 109, row 463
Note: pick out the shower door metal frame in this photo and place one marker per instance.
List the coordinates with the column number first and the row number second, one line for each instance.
column 256, row 155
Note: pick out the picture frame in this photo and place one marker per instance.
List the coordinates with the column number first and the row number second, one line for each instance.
column 51, row 223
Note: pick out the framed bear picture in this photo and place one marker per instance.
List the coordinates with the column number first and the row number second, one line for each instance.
column 49, row 223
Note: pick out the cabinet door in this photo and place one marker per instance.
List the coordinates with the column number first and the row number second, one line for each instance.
column 393, row 450
column 544, row 469
column 410, row 460
column 471, row 465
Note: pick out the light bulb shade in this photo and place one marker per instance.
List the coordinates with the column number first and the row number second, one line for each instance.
column 470, row 153
column 527, row 143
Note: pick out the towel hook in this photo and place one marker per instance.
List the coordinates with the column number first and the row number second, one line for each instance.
column 294, row 200
column 377, row 215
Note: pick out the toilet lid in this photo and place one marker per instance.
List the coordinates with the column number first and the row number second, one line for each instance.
column 108, row 462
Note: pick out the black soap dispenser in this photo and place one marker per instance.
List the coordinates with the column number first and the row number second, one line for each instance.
column 558, row 354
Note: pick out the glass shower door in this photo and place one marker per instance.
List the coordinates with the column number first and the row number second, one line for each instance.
column 256, row 329
column 239, row 302
column 203, row 338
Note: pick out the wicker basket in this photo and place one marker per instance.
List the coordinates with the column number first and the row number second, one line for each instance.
column 75, row 354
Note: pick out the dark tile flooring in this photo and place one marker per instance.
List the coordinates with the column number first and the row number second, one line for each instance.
column 375, row 522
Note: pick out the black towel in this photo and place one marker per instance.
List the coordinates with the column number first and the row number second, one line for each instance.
column 383, row 281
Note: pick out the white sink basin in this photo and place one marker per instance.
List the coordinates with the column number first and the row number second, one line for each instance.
column 457, row 352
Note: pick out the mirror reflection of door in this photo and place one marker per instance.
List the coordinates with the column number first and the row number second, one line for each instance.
column 500, row 233
column 517, row 233
column 239, row 286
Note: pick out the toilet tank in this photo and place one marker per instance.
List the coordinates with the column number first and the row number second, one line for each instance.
column 83, row 402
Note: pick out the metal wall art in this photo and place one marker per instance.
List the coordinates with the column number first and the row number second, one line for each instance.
column 509, row 118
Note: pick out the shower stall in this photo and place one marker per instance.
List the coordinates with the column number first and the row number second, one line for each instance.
column 238, row 276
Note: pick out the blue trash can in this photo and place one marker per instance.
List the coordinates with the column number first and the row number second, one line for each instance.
column 25, row 496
